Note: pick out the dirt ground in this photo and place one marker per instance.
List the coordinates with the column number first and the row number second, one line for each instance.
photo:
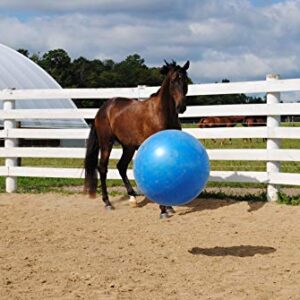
column 54, row 246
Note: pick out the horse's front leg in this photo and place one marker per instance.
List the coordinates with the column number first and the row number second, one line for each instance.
column 122, row 166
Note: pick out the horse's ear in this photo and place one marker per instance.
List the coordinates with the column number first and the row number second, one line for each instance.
column 165, row 69
column 186, row 66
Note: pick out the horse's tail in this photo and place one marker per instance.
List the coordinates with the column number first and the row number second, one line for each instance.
column 90, row 163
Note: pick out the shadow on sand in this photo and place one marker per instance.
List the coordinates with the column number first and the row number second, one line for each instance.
column 208, row 203
column 200, row 204
column 240, row 251
column 144, row 202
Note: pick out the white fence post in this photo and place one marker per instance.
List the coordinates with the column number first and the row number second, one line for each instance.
column 140, row 90
column 273, row 121
column 11, row 182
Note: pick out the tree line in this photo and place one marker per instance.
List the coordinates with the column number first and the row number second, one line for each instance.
column 132, row 71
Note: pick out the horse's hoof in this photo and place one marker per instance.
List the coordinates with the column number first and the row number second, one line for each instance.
column 109, row 207
column 164, row 216
column 132, row 202
column 171, row 210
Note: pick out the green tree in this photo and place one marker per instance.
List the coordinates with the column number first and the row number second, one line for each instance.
column 80, row 70
column 25, row 52
column 131, row 71
column 85, row 73
column 223, row 99
column 58, row 64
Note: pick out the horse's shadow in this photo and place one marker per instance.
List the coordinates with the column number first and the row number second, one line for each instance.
column 239, row 251
column 144, row 202
column 205, row 204
column 141, row 203
column 200, row 204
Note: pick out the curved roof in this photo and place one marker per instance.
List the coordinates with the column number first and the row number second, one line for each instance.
column 19, row 72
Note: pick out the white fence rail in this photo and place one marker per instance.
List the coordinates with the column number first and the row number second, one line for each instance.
column 272, row 155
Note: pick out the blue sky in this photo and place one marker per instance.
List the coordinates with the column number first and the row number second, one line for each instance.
column 235, row 39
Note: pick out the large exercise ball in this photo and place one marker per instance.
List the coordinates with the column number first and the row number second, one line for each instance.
column 171, row 167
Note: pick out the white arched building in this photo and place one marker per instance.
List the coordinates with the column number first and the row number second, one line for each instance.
column 19, row 72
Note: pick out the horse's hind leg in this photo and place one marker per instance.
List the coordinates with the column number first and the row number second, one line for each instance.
column 102, row 168
column 122, row 166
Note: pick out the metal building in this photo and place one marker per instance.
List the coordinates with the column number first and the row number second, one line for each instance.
column 19, row 72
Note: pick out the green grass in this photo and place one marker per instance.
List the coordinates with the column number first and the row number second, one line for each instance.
column 289, row 200
column 38, row 185
column 44, row 185
column 41, row 185
column 259, row 166
column 262, row 197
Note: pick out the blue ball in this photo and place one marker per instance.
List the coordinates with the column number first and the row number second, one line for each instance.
column 171, row 167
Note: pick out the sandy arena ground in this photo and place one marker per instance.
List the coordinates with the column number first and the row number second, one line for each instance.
column 68, row 247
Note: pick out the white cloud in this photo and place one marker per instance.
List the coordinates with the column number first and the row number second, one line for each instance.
column 232, row 39
column 290, row 97
column 216, row 67
column 213, row 32
column 99, row 6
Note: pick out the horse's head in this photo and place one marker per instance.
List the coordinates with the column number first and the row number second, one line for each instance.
column 178, row 83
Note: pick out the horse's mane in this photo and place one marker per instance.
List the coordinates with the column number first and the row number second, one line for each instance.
column 165, row 69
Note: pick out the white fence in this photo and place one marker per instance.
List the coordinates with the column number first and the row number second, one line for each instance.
column 272, row 155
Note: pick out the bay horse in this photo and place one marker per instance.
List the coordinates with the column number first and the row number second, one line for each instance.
column 254, row 121
column 231, row 121
column 215, row 122
column 129, row 122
